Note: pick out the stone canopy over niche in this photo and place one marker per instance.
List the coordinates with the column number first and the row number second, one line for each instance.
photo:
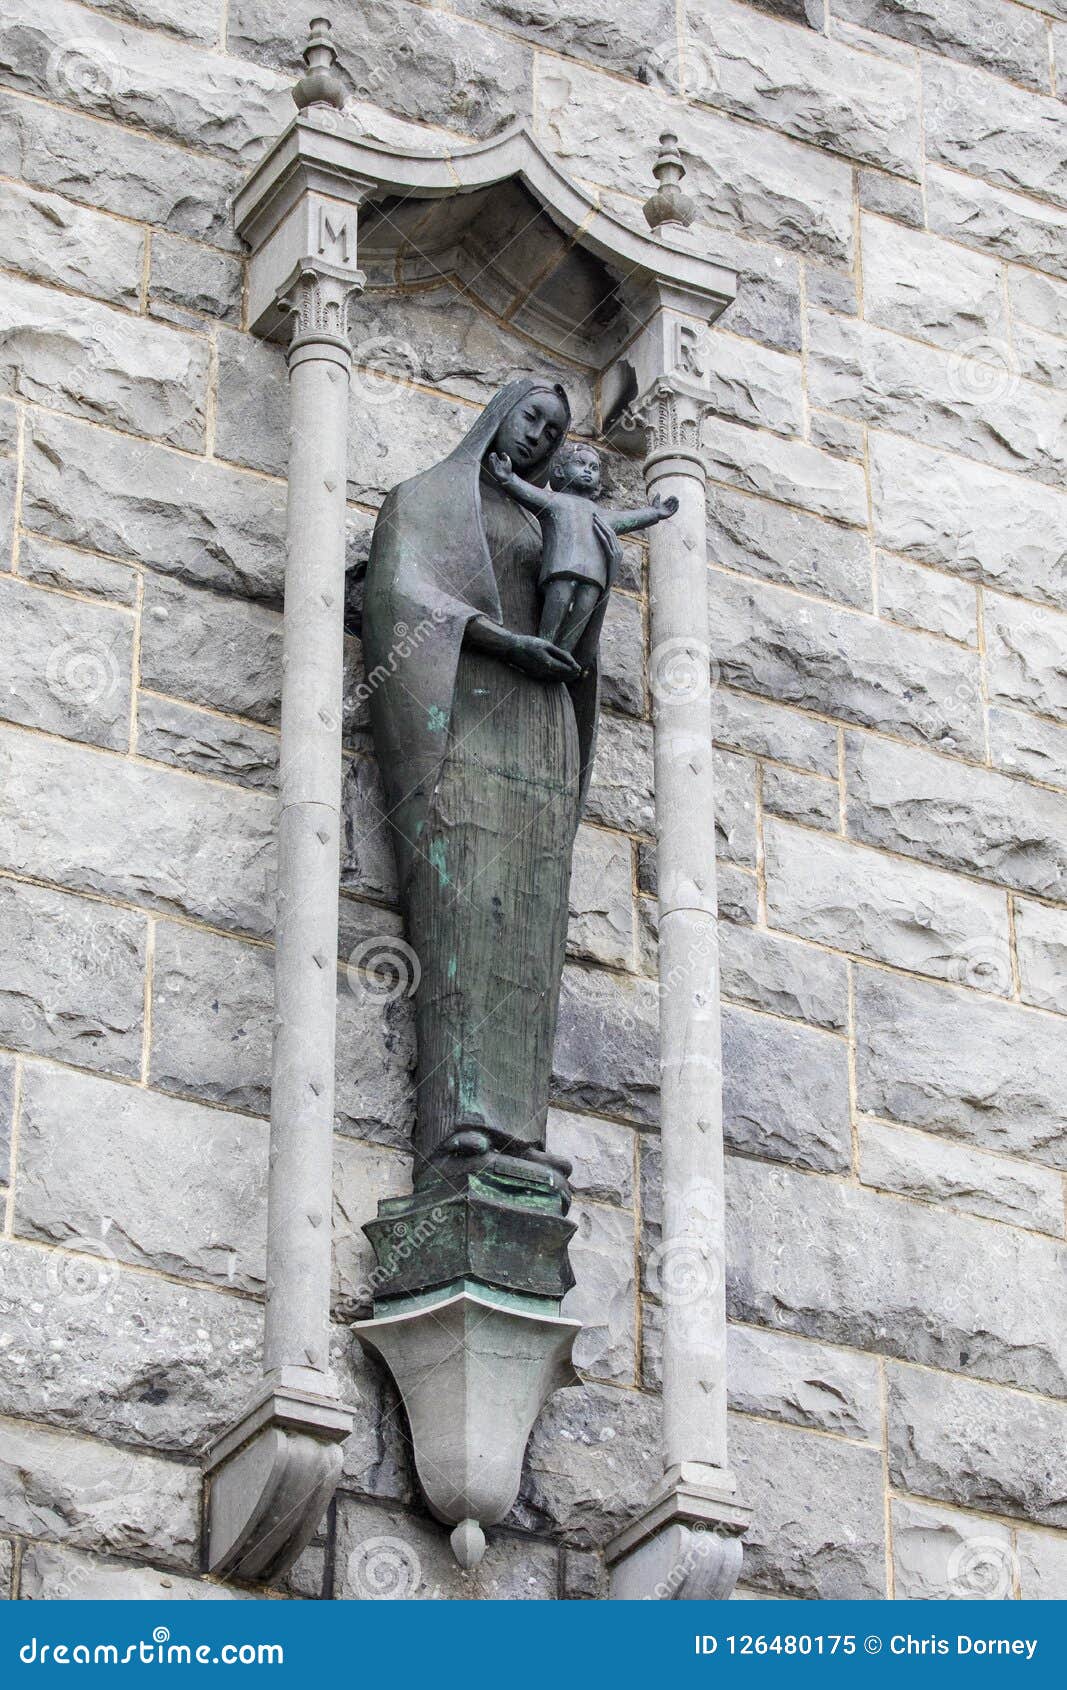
column 498, row 219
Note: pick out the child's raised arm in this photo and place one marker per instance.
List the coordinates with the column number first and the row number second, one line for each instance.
column 536, row 499
column 628, row 522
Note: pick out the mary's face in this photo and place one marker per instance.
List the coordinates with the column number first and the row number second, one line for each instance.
column 531, row 431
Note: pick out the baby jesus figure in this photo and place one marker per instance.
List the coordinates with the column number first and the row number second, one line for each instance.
column 580, row 550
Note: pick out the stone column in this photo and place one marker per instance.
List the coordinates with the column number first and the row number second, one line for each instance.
column 687, row 1543
column 296, row 1340
column 272, row 1474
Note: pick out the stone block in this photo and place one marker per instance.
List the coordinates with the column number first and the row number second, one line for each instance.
column 622, row 655
column 1042, row 1562
column 735, row 808
column 123, row 1356
column 838, row 663
column 193, row 518
column 770, row 730
column 807, row 799
column 765, row 971
column 976, row 1445
column 785, row 1092
column 914, row 1165
column 216, row 1046
column 832, row 290
column 605, row 1296
column 837, row 435
column 363, row 1174
column 607, row 1045
column 989, row 1074
column 833, row 96
column 207, row 744
column 971, row 819
column 925, row 505
column 778, row 543
column 805, row 1384
column 198, row 849
column 620, row 795
column 1008, row 40
column 65, row 665
column 941, row 1555
column 78, row 356
column 601, row 899
column 7, row 1112
column 1026, row 649
column 116, row 169
column 994, row 220
column 65, row 245
column 890, row 196
column 790, row 471
column 817, row 1528
column 969, row 401
column 52, row 1574
column 449, row 72
column 589, row 1467
column 67, row 567
column 7, row 1569
column 211, row 649
column 215, row 104
column 74, row 979
column 1041, row 357
column 368, row 865
column 1009, row 136
column 1027, row 745
column 830, row 1260
column 198, row 20
column 746, row 180
column 387, row 1554
column 152, row 1180
column 601, row 1154
column 1038, row 300
column 94, row 1496
column 737, row 893
column 1041, row 946
column 927, row 600
column 188, row 281
column 930, row 289
column 606, row 33
column 920, row 919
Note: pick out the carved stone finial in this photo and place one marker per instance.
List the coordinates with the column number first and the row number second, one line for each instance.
column 321, row 85
column 669, row 205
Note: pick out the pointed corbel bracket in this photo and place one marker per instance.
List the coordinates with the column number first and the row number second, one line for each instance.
column 270, row 1479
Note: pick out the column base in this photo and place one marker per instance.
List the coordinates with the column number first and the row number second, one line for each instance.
column 686, row 1546
column 270, row 1479
column 474, row 1374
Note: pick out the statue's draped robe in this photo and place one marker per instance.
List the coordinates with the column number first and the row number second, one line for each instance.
column 484, row 770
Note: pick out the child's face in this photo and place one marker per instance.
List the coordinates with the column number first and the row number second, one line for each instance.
column 581, row 473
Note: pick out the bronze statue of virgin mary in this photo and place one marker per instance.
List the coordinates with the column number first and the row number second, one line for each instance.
column 484, row 734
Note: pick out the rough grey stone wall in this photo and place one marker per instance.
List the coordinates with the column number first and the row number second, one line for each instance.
column 888, row 535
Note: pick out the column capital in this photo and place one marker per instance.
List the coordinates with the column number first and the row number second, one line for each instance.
column 671, row 413
column 317, row 295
